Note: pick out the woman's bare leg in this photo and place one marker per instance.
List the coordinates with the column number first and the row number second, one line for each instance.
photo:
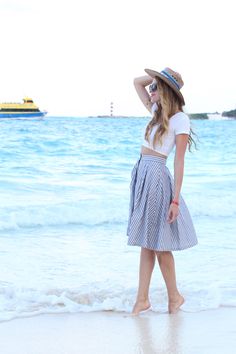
column 167, row 266
column 147, row 262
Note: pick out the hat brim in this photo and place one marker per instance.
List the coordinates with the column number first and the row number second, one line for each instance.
column 154, row 74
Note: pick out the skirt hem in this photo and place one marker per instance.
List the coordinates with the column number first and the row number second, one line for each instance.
column 161, row 249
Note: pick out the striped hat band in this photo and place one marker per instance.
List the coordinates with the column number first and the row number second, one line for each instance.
column 171, row 78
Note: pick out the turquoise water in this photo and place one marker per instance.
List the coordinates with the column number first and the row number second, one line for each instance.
column 64, row 195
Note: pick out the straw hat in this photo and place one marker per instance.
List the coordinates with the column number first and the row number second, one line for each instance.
column 171, row 78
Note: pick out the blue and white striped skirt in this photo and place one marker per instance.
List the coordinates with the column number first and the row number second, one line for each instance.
column 151, row 192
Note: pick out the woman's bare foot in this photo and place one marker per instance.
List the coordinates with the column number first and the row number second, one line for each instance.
column 175, row 304
column 140, row 305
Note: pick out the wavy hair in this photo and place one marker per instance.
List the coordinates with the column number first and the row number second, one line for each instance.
column 169, row 103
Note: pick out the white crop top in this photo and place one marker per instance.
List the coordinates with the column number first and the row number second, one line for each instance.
column 179, row 123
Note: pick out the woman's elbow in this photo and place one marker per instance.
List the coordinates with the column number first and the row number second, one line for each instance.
column 179, row 160
column 135, row 81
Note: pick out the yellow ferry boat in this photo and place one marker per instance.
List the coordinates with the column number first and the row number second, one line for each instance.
column 26, row 109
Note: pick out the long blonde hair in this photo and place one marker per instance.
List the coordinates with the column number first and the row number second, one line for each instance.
column 169, row 103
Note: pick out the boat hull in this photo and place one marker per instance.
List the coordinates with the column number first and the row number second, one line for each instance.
column 23, row 115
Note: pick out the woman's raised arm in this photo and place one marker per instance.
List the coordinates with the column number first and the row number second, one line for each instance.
column 140, row 83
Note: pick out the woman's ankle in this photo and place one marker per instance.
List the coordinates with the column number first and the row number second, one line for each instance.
column 174, row 296
column 142, row 299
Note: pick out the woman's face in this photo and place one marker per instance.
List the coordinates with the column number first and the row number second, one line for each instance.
column 154, row 91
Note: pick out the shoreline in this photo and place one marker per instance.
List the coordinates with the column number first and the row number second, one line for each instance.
column 204, row 332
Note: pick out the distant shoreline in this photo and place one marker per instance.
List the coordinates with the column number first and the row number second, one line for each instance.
column 198, row 116
column 229, row 114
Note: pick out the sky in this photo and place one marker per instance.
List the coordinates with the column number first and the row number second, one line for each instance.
column 74, row 57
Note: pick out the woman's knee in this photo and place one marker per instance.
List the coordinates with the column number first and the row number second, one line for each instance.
column 162, row 254
column 147, row 252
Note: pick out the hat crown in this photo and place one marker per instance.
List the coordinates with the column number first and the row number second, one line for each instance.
column 174, row 77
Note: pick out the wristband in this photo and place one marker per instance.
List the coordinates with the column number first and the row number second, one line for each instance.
column 175, row 202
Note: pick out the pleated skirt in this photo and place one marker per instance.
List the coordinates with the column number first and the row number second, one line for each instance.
column 151, row 193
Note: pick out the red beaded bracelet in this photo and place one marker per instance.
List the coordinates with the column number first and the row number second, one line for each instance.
column 175, row 202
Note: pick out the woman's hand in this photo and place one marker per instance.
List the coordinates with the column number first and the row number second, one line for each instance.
column 172, row 213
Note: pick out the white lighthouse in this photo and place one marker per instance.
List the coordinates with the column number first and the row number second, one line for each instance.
column 111, row 109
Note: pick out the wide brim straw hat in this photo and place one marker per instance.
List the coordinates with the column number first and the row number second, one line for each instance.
column 171, row 78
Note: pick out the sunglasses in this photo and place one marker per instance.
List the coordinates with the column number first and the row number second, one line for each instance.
column 153, row 87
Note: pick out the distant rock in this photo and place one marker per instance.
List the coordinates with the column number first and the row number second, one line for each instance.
column 231, row 114
column 198, row 116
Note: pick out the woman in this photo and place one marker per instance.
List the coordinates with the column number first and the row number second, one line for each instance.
column 159, row 220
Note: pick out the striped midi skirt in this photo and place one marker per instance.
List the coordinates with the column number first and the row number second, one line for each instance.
column 151, row 193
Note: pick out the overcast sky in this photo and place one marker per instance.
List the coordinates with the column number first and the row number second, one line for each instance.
column 74, row 57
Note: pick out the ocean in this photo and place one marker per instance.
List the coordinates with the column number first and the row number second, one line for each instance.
column 64, row 199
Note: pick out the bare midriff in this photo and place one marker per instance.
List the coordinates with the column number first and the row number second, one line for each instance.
column 146, row 151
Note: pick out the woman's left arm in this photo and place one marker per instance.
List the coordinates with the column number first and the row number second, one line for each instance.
column 181, row 145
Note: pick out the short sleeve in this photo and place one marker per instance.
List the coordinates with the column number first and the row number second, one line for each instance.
column 182, row 124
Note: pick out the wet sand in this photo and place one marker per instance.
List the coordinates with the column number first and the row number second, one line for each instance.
column 205, row 332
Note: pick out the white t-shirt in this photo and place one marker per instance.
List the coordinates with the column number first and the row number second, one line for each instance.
column 179, row 123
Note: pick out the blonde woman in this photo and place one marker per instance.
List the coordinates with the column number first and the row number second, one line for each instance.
column 159, row 221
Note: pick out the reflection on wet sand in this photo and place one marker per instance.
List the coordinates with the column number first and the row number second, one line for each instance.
column 158, row 340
